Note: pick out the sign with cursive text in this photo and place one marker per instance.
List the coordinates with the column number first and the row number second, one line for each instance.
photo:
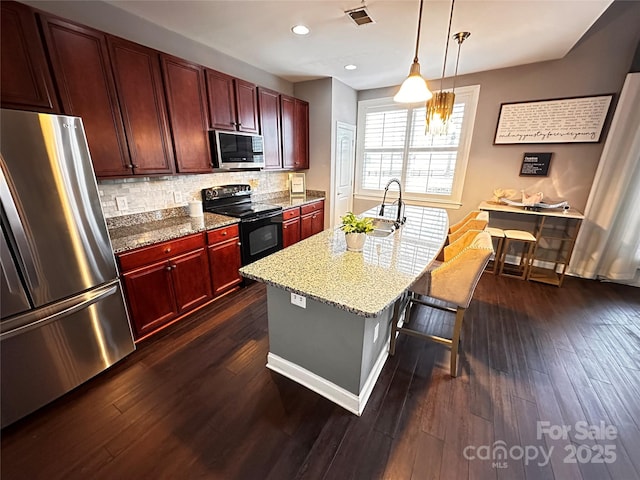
column 565, row 120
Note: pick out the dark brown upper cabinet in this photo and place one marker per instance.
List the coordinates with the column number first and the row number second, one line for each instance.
column 82, row 71
column 25, row 79
column 294, row 122
column 301, row 126
column 138, row 78
column 233, row 103
column 186, row 99
column 269, row 108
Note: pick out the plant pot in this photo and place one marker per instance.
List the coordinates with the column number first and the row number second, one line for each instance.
column 355, row 241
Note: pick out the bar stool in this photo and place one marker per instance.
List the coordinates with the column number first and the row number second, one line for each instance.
column 528, row 241
column 497, row 236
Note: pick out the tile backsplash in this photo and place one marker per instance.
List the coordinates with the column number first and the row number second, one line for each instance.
column 147, row 194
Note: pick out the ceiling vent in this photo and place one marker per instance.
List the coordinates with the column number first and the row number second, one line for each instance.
column 360, row 16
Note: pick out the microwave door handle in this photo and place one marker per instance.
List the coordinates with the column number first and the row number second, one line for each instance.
column 17, row 231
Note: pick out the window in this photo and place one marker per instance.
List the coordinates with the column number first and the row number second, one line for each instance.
column 392, row 144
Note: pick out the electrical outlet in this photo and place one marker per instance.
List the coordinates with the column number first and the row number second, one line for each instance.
column 177, row 197
column 122, row 204
column 299, row 300
column 376, row 331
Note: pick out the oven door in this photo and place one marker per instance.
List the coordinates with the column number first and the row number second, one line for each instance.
column 260, row 236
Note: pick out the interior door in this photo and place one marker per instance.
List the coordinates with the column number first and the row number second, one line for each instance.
column 345, row 158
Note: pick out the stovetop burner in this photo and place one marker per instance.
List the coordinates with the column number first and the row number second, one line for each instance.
column 246, row 210
column 234, row 201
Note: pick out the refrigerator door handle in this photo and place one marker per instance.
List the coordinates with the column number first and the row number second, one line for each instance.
column 68, row 308
column 17, row 229
column 8, row 269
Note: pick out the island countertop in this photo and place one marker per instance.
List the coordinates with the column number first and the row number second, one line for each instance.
column 366, row 283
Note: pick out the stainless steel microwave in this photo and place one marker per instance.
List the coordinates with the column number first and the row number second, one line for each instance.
column 237, row 149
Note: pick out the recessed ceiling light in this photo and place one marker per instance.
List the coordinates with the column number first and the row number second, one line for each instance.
column 300, row 30
column 351, row 66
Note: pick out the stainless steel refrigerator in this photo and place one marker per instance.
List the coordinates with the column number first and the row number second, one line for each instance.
column 63, row 314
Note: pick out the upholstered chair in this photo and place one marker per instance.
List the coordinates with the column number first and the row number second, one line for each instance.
column 475, row 220
column 453, row 282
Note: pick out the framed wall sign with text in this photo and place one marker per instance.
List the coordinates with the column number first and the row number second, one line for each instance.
column 563, row 120
column 535, row 165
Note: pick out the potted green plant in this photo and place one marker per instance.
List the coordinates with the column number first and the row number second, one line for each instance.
column 355, row 230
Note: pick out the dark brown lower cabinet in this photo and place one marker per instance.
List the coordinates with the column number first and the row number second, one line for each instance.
column 164, row 281
column 311, row 219
column 290, row 226
column 224, row 258
column 189, row 274
column 150, row 297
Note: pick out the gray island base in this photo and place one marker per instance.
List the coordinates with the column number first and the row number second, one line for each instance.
column 330, row 311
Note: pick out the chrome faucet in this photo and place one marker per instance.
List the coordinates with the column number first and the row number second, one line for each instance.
column 399, row 218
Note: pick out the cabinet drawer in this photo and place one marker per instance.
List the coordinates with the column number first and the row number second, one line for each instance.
column 160, row 251
column 312, row 207
column 221, row 234
column 290, row 213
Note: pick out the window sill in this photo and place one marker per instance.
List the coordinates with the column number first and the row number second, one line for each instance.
column 448, row 204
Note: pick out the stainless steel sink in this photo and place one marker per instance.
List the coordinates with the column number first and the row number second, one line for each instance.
column 382, row 227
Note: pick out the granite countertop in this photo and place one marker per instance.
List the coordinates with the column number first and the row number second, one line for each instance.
column 128, row 237
column 139, row 230
column 286, row 201
column 365, row 283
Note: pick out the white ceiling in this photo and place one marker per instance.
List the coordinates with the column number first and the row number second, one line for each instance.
column 504, row 33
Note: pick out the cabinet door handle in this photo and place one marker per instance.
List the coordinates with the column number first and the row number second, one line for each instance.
column 174, row 267
column 168, row 268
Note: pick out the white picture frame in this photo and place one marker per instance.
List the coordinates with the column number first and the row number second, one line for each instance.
column 562, row 120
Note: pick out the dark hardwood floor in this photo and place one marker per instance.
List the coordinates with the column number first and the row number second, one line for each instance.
column 196, row 401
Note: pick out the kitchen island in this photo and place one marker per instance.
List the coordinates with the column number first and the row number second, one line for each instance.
column 330, row 311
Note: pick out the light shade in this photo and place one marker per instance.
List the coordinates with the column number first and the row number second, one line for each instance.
column 439, row 110
column 414, row 89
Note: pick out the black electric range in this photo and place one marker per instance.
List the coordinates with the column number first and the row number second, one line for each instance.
column 260, row 223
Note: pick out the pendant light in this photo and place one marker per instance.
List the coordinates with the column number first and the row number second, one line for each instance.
column 414, row 89
column 440, row 107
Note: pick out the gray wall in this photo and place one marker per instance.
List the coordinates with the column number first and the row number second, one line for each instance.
column 106, row 17
column 330, row 101
column 330, row 342
column 318, row 94
column 596, row 65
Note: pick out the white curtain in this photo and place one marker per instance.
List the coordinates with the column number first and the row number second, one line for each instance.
column 608, row 245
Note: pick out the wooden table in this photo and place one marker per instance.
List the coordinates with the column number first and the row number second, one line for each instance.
column 555, row 231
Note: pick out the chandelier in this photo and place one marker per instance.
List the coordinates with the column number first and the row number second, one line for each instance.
column 440, row 107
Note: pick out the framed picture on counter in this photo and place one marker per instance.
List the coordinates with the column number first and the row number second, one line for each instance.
column 297, row 185
column 563, row 120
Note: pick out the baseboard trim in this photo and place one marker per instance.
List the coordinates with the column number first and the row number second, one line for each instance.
column 338, row 395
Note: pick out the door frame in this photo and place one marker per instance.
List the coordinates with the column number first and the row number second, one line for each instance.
column 334, row 200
